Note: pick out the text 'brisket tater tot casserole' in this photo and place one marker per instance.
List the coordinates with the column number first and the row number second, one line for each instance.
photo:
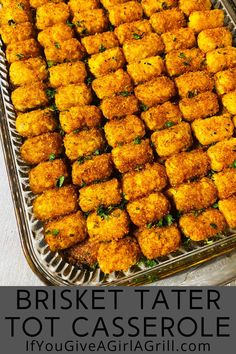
column 127, row 111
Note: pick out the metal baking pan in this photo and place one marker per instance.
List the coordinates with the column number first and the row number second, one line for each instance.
column 50, row 267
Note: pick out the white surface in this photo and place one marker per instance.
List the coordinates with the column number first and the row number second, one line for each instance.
column 14, row 269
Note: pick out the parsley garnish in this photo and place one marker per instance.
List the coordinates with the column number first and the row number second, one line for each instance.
column 102, row 48
column 21, row 6
column 169, row 124
column 214, row 226
column 50, row 93
column 52, row 157
column 167, row 220
column 233, row 164
column 70, row 24
column 216, row 206
column 182, row 55
column 143, row 107
column 55, row 232
column 89, row 80
column 57, row 45
column 11, row 22
column 50, row 63
column 20, row 56
column 137, row 36
column 96, row 152
column 125, row 93
column 60, row 181
column 137, row 141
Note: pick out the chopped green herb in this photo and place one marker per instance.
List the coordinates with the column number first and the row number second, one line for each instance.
column 96, row 152
column 60, row 181
column 143, row 107
column 54, row 108
column 76, row 131
column 216, row 206
column 84, row 184
column 102, row 48
column 102, row 211
column 182, row 55
column 123, row 203
column 137, row 36
column 55, row 232
column 85, row 31
column 125, row 93
column 186, row 242
column 164, row 6
column 52, row 157
column 186, row 63
column 192, row 94
column 169, row 219
column 20, row 56
column 70, row 24
column 233, row 164
column 50, row 63
column 149, row 263
column 153, row 278
column 214, row 226
column 169, row 124
column 137, row 141
column 57, row 45
column 111, row 28
column 150, row 225
column 50, row 93
column 89, row 80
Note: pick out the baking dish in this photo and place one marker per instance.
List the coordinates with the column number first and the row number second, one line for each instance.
column 51, row 268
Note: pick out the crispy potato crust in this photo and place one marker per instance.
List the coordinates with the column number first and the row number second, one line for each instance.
column 152, row 6
column 82, row 254
column 188, row 6
column 158, row 242
column 119, row 106
column 206, row 19
column 191, row 84
column 225, row 182
column 99, row 42
column 214, row 38
column 17, row 33
column 129, row 31
column 228, row 208
column 28, row 71
column 221, row 59
column 222, row 154
column 118, row 255
column 167, row 20
column 123, row 13
column 225, row 81
column 204, row 226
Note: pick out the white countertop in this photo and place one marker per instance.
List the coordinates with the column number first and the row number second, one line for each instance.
column 14, row 269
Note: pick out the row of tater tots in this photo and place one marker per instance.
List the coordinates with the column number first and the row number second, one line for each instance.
column 140, row 55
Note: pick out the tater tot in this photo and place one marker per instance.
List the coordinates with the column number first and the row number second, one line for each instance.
column 225, row 182
column 194, row 196
column 229, row 102
column 222, row 154
column 202, row 20
column 65, row 231
column 137, row 184
column 132, row 30
column 225, row 81
column 35, row 122
column 90, row 22
column 111, row 84
column 110, row 3
column 83, row 143
column 201, row 106
column 143, row 47
column 106, row 62
column 124, row 130
column 146, row 69
column 191, row 84
column 183, row 61
column 55, row 202
column 17, row 33
column 99, row 42
column 167, row 20
column 211, row 39
column 105, row 194
column 133, row 155
column 204, row 226
column 69, row 50
column 173, row 140
column 55, row 35
column 72, row 95
column 83, row 254
column 92, row 170
column 67, row 73
column 182, row 38
column 162, row 116
column 14, row 13
column 186, row 166
column 51, row 14
column 110, row 227
column 152, row 6
column 27, row 71
column 148, row 209
column 83, row 5
column 221, row 59
column 80, row 117
column 29, row 96
column 158, row 241
column 119, row 106
column 188, row 6
column 38, row 3
column 228, row 208
column 41, row 148
column 156, row 91
column 214, row 129
column 127, row 12
column 22, row 50
column 118, row 255
column 46, row 175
